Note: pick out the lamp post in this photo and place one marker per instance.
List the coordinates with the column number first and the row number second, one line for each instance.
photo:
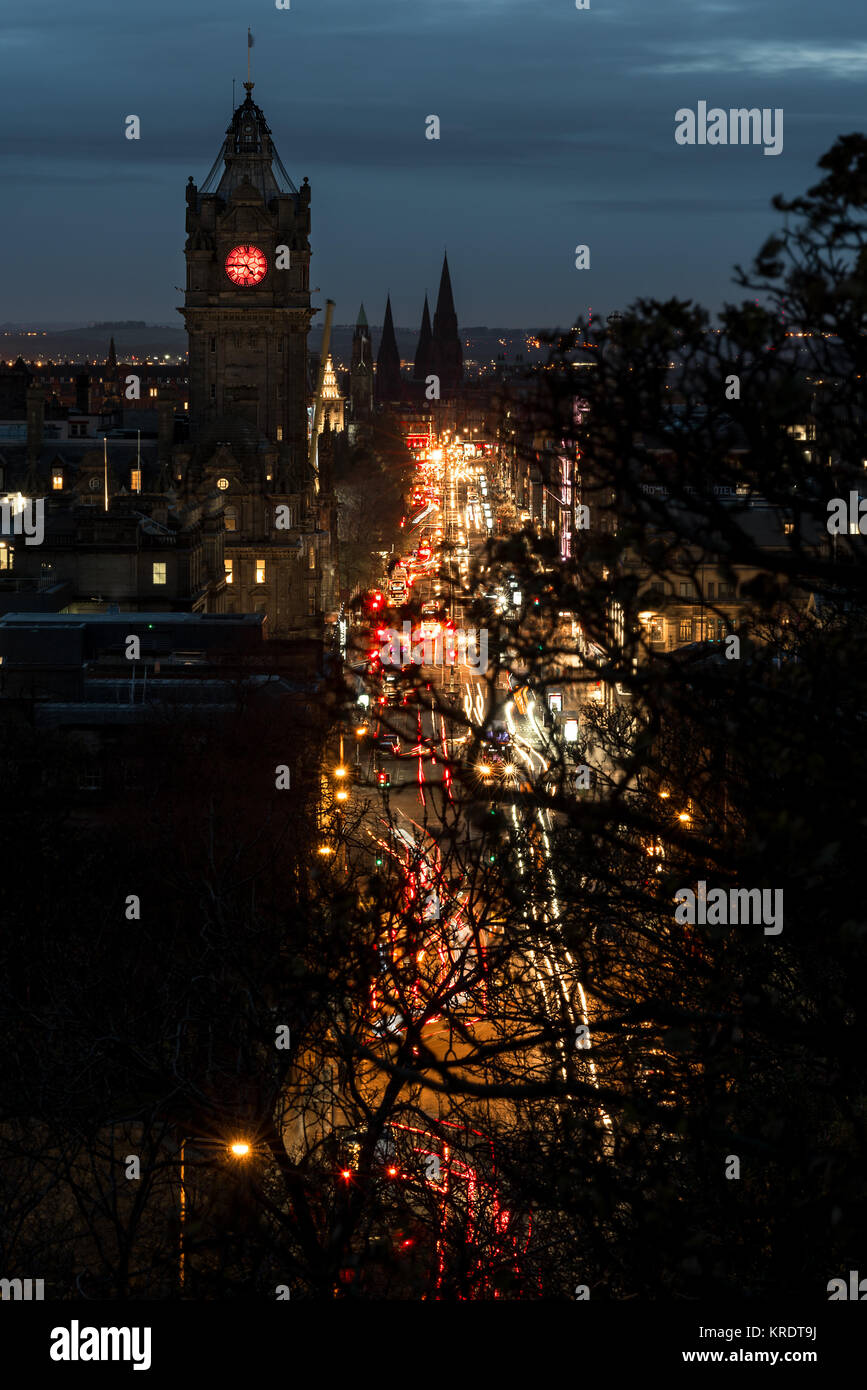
column 239, row 1149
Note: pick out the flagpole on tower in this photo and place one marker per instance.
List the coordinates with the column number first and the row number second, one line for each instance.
column 249, row 46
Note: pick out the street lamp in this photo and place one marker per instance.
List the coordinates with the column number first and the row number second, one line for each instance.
column 239, row 1148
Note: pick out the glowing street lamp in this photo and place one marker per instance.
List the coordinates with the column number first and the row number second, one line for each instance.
column 239, row 1149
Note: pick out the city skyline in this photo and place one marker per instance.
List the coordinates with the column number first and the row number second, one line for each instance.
column 538, row 150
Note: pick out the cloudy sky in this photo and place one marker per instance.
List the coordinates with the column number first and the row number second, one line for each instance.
column 557, row 128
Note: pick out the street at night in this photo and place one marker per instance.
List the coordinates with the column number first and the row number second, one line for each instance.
column 433, row 637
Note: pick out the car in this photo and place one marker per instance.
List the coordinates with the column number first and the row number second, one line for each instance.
column 498, row 734
column 388, row 743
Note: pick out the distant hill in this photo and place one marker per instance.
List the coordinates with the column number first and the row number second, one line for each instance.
column 90, row 343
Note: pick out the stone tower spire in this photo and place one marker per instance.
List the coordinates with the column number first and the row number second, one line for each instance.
column 361, row 369
column 388, row 382
column 422, row 365
column 447, row 355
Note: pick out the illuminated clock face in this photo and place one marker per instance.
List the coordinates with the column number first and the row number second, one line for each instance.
column 246, row 265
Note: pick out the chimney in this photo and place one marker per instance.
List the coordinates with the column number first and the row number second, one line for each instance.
column 35, row 421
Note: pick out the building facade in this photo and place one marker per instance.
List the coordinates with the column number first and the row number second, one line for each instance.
column 247, row 312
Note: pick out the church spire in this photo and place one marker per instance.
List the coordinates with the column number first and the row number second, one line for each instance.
column 388, row 384
column 421, row 366
column 447, row 358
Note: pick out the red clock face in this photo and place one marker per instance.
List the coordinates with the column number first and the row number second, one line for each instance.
column 246, row 265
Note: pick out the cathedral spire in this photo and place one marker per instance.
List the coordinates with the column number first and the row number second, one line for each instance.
column 447, row 358
column 388, row 383
column 421, row 366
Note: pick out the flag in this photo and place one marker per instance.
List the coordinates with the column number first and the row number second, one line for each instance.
column 249, row 39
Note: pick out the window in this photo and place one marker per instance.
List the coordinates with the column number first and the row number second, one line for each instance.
column 135, row 479
column 727, row 591
column 90, row 778
column 230, row 517
column 279, row 344
column 788, row 528
column 657, row 630
column 685, row 634
column 260, row 571
column 152, row 392
column 7, row 554
column 229, row 566
column 57, row 482
column 279, row 433
column 685, row 590
column 222, row 484
column 311, row 558
column 711, row 589
column 213, row 392
column 213, row 345
column 159, row 571
column 311, row 601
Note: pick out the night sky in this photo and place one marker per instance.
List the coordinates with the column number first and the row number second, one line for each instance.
column 557, row 129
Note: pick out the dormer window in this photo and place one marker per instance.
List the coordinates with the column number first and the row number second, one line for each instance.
column 57, row 480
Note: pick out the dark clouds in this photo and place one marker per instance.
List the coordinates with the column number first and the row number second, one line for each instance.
column 557, row 129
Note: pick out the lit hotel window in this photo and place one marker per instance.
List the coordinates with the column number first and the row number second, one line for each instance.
column 260, row 571
column 788, row 528
column 159, row 571
column 7, row 555
column 57, row 482
column 279, row 433
column 152, row 391
column 135, row 479
column 230, row 571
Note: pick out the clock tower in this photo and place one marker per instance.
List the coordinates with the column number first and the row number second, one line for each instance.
column 247, row 313
column 247, row 303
